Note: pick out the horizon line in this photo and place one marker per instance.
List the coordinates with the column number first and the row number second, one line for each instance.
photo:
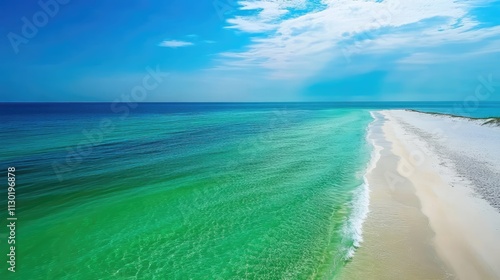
column 236, row 102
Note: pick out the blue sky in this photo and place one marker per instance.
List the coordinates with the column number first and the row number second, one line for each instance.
column 254, row 50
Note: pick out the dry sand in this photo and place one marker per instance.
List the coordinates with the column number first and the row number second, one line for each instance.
column 430, row 219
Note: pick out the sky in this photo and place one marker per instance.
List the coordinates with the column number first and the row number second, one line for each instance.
column 253, row 50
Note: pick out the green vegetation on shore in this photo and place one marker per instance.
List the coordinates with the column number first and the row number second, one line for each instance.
column 486, row 121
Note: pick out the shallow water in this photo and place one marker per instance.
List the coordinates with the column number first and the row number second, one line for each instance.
column 240, row 193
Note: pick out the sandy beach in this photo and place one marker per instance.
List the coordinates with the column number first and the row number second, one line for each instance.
column 434, row 200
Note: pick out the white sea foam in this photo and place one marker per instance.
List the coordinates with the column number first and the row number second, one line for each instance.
column 361, row 203
column 354, row 227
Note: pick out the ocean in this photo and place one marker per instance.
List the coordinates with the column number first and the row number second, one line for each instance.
column 189, row 190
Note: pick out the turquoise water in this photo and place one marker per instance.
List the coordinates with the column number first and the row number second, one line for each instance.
column 202, row 193
column 188, row 191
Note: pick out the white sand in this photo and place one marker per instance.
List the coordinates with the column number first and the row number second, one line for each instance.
column 454, row 165
column 434, row 200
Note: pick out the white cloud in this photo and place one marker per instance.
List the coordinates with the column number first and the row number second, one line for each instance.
column 268, row 15
column 298, row 44
column 175, row 44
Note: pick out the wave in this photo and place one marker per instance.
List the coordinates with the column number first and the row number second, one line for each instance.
column 354, row 226
column 361, row 202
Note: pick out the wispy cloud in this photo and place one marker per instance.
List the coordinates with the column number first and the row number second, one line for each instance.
column 175, row 44
column 297, row 38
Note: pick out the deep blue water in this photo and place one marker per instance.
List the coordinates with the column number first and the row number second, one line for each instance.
column 478, row 110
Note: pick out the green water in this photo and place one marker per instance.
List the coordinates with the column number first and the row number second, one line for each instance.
column 238, row 194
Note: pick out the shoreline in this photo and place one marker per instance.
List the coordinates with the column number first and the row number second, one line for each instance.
column 428, row 219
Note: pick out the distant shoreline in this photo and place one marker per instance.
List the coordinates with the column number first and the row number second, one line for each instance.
column 489, row 120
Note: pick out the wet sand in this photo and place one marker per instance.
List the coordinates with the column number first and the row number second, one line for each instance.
column 429, row 219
